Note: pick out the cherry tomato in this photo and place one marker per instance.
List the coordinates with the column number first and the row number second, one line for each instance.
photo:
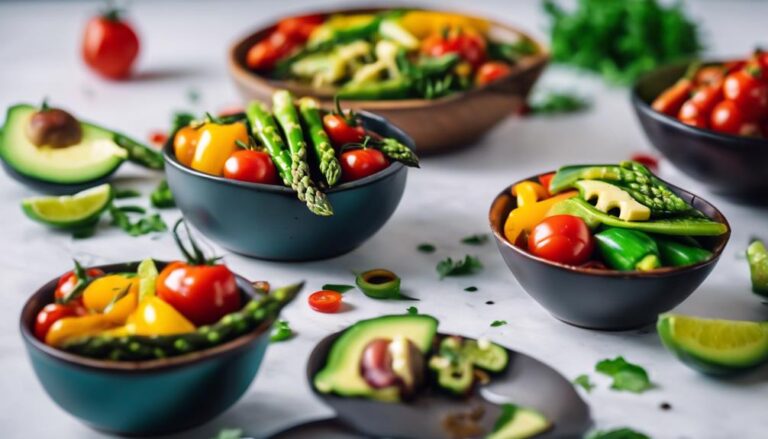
column 299, row 28
column 253, row 166
column 648, row 160
column 748, row 92
column 469, row 46
column 202, row 293
column 340, row 131
column 325, row 301
column 110, row 46
column 68, row 281
column 491, row 71
column 158, row 138
column 562, row 238
column 671, row 99
column 185, row 144
column 727, row 117
column 267, row 52
column 359, row 163
column 545, row 179
column 709, row 75
column 53, row 312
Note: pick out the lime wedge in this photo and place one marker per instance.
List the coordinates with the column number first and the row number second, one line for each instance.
column 69, row 211
column 717, row 347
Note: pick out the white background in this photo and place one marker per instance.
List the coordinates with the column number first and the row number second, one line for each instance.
column 184, row 47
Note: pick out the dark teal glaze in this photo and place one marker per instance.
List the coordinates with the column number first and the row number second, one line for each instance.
column 268, row 222
column 138, row 398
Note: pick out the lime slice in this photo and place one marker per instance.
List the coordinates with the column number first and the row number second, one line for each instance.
column 716, row 347
column 69, row 211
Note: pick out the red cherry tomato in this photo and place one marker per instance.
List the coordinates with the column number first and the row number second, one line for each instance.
column 299, row 28
column 727, row 117
column 649, row 161
column 749, row 92
column 325, row 301
column 158, row 138
column 68, row 281
column 267, row 52
column 110, row 46
column 253, row 166
column 340, row 131
column 468, row 46
column 52, row 313
column 202, row 293
column 359, row 163
column 491, row 71
column 562, row 238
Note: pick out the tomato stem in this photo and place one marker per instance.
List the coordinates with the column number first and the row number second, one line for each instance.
column 196, row 256
column 83, row 280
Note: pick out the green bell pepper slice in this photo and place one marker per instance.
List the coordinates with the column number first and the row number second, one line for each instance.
column 397, row 88
column 628, row 250
column 676, row 254
column 757, row 256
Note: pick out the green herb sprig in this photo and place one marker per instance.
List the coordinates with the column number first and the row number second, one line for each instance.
column 462, row 267
column 626, row 376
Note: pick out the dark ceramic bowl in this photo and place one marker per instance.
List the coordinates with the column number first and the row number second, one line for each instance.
column 48, row 187
column 144, row 397
column 269, row 222
column 604, row 299
column 729, row 165
column 526, row 381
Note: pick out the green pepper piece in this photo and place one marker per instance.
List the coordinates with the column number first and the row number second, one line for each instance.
column 379, row 283
column 757, row 256
column 685, row 226
column 676, row 254
column 397, row 88
column 628, row 250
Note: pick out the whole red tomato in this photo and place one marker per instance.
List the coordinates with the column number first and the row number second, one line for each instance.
column 252, row 166
column 562, row 238
column 360, row 163
column 68, row 281
column 491, row 71
column 110, row 46
column 52, row 313
column 202, row 293
column 727, row 117
column 469, row 46
column 340, row 131
column 749, row 92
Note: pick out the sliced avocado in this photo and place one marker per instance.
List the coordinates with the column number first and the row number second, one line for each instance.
column 486, row 355
column 341, row 374
column 524, row 423
column 95, row 156
column 611, row 197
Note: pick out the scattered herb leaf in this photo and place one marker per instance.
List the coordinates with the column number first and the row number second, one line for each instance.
column 145, row 225
column 558, row 102
column 132, row 209
column 508, row 412
column 426, row 248
column 471, row 289
column 281, row 332
column 497, row 323
column 626, row 376
column 477, row 239
column 125, row 193
column 229, row 433
column 412, row 310
column 162, row 197
column 619, row 433
column 584, row 382
column 339, row 288
column 449, row 267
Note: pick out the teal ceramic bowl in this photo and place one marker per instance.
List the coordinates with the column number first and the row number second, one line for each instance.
column 268, row 222
column 145, row 397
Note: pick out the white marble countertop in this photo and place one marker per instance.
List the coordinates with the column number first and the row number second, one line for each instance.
column 184, row 47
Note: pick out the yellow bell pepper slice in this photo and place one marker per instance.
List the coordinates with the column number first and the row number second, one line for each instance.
column 216, row 143
column 74, row 327
column 425, row 23
column 154, row 316
column 526, row 217
column 528, row 192
column 100, row 295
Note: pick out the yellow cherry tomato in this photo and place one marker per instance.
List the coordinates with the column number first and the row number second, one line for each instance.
column 100, row 297
column 185, row 143
column 215, row 144
column 70, row 328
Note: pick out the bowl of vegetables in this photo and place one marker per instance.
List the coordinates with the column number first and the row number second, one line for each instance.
column 151, row 347
column 294, row 183
column 444, row 78
column 606, row 246
column 711, row 121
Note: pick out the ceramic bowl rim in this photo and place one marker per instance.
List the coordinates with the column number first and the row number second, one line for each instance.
column 657, row 273
column 131, row 367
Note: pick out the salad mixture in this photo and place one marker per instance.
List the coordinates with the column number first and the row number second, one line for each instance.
column 617, row 217
column 730, row 98
column 143, row 315
column 273, row 147
column 399, row 358
column 393, row 54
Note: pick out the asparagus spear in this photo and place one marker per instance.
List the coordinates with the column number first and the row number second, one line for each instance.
column 265, row 129
column 232, row 325
column 399, row 152
column 288, row 118
column 326, row 155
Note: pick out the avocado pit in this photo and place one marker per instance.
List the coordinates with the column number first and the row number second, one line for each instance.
column 54, row 127
column 396, row 362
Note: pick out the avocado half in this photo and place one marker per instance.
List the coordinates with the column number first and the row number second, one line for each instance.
column 96, row 156
column 341, row 374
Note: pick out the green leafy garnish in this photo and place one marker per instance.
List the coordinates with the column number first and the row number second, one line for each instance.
column 626, row 376
column 497, row 323
column 426, row 248
column 412, row 310
column 478, row 239
column 229, row 433
column 558, row 102
column 147, row 224
column 132, row 209
column 619, row 433
column 508, row 412
column 470, row 289
column 449, row 267
column 339, row 288
column 584, row 382
column 281, row 332
column 125, row 193
column 162, row 197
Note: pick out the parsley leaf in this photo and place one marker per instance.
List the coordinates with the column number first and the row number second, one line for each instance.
column 508, row 412
column 449, row 267
column 426, row 248
column 162, row 197
column 470, row 289
column 558, row 102
column 478, row 239
column 339, row 288
column 497, row 323
column 281, row 332
column 584, row 382
column 626, row 376
column 619, row 433
column 412, row 310
column 145, row 225
column 126, row 193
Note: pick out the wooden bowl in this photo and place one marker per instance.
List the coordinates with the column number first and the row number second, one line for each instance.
column 435, row 125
